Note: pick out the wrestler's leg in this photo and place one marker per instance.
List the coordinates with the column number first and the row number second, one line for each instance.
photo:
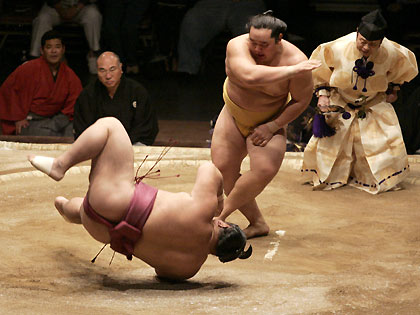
column 69, row 209
column 227, row 155
column 264, row 165
column 91, row 143
column 228, row 150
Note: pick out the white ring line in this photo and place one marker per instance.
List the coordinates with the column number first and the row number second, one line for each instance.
column 271, row 252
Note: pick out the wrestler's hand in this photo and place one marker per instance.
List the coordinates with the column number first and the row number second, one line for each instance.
column 307, row 65
column 219, row 218
column 21, row 124
column 323, row 103
column 261, row 135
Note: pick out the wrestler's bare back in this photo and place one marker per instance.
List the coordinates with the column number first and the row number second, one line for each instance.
column 177, row 233
column 257, row 96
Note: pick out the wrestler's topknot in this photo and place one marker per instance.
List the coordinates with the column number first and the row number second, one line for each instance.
column 268, row 21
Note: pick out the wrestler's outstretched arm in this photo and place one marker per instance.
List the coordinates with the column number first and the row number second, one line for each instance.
column 241, row 66
column 301, row 92
column 69, row 209
column 301, row 89
column 208, row 189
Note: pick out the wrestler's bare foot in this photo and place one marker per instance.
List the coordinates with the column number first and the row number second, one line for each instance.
column 59, row 205
column 47, row 165
column 255, row 230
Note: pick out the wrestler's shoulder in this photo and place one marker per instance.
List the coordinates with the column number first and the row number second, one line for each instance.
column 240, row 38
column 237, row 41
column 293, row 54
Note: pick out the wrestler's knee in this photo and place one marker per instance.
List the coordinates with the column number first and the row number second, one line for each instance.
column 111, row 123
column 226, row 166
column 108, row 120
column 266, row 172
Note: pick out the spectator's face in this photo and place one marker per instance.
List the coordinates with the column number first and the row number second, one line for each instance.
column 262, row 46
column 53, row 51
column 109, row 70
column 367, row 47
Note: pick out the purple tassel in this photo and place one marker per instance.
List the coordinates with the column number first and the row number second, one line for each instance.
column 320, row 128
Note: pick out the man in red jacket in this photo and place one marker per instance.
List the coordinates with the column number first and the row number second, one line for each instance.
column 37, row 99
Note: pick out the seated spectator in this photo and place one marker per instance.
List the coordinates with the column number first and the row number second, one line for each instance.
column 114, row 95
column 38, row 98
column 121, row 22
column 83, row 12
column 205, row 20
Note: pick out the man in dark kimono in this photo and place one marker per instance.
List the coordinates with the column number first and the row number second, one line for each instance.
column 113, row 95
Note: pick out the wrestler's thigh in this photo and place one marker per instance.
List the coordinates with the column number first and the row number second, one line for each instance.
column 227, row 144
column 97, row 230
column 116, row 160
column 269, row 157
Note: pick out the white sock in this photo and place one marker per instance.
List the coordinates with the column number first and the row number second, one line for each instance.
column 43, row 163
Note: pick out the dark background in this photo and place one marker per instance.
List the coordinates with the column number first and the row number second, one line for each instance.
column 200, row 98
